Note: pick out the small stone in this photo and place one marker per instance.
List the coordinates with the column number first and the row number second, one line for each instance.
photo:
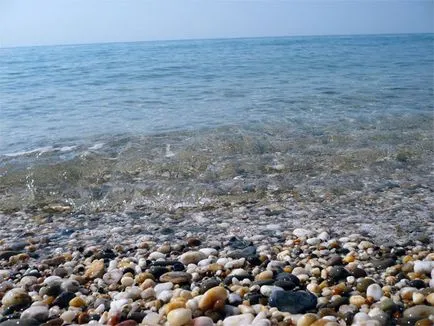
column 16, row 298
column 77, row 302
column 337, row 273
column 68, row 316
column 357, row 300
column 238, row 320
column 95, row 270
column 39, row 313
column 212, row 297
column 294, row 302
column 334, row 260
column 127, row 281
column 63, row 299
column 70, row 286
column 193, row 242
column 423, row 266
column 265, row 275
column 176, row 277
column 191, row 257
column 83, row 318
column 418, row 312
column 307, row 320
column 374, row 291
column 151, row 319
column 179, row 317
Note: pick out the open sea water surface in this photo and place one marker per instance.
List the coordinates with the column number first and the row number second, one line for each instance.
column 108, row 127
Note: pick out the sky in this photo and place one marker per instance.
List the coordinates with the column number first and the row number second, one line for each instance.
column 46, row 22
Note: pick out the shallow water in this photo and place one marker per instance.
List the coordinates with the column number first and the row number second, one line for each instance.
column 197, row 123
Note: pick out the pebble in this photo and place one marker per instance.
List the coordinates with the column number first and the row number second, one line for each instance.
column 176, row 277
column 39, row 313
column 203, row 321
column 95, row 269
column 374, row 291
column 239, row 320
column 191, row 257
column 418, row 312
column 294, row 302
column 179, row 317
column 423, row 267
column 16, row 297
column 215, row 295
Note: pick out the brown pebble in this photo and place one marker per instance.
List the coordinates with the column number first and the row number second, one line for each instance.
column 114, row 320
column 95, row 270
column 193, row 242
column 83, row 318
column 211, row 297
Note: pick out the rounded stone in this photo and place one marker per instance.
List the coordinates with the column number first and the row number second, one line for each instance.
column 212, row 297
column 16, row 297
column 77, row 302
column 418, row 312
column 39, row 313
column 374, row 291
column 191, row 257
column 179, row 317
column 294, row 302
column 307, row 320
column 176, row 277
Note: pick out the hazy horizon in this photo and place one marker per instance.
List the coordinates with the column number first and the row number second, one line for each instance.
column 50, row 22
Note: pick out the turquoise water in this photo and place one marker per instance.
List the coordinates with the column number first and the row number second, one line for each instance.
column 127, row 123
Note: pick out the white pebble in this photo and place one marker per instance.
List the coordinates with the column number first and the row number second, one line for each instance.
column 244, row 319
column 374, row 291
column 423, row 266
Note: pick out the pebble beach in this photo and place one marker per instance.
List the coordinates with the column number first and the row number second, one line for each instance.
column 239, row 264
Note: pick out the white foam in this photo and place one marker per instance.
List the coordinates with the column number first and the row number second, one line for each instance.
column 96, row 146
column 40, row 150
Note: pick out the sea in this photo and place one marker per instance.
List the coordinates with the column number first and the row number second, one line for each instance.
column 198, row 123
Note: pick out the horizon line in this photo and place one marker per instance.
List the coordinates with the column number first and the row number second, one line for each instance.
column 210, row 39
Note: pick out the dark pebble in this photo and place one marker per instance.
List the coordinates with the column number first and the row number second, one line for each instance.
column 254, row 260
column 294, row 302
column 193, row 242
column 242, row 253
column 288, row 277
column 285, row 284
column 383, row 263
column 208, row 284
column 53, row 290
column 63, row 299
column 338, row 273
column 358, row 272
column 253, row 298
column 129, row 270
column 334, row 260
column 157, row 271
column 418, row 284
